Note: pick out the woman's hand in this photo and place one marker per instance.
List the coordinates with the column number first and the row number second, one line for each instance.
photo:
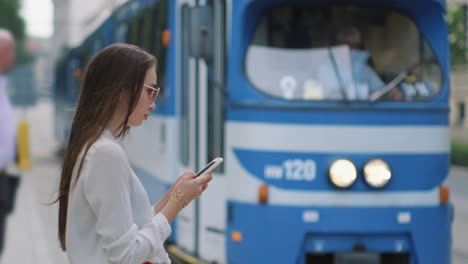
column 190, row 186
column 185, row 189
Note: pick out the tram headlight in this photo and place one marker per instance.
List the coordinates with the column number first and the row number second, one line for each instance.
column 343, row 173
column 377, row 173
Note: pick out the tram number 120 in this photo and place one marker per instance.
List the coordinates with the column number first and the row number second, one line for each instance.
column 292, row 170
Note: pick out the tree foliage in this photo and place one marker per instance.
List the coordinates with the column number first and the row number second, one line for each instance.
column 11, row 20
column 457, row 37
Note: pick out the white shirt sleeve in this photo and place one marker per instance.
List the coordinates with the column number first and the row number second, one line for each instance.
column 107, row 189
column 8, row 129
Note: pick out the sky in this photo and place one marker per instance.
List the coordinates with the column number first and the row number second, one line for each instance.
column 38, row 15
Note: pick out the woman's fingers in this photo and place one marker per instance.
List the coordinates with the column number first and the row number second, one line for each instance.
column 191, row 185
column 204, row 179
column 189, row 175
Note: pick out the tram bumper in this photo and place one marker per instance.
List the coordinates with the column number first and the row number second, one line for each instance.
column 286, row 234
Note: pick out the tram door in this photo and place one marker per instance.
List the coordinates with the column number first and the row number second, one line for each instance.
column 200, row 226
column 187, row 108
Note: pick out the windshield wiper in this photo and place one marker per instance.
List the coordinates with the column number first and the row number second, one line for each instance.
column 400, row 77
column 338, row 75
column 387, row 88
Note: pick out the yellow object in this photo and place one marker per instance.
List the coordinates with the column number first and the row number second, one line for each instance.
column 166, row 38
column 410, row 78
column 263, row 194
column 77, row 73
column 313, row 90
column 22, row 142
column 444, row 194
column 175, row 251
column 236, row 236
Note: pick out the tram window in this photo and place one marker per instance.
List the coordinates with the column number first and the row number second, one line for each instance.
column 159, row 24
column 146, row 30
column 154, row 37
column 86, row 56
column 216, row 79
column 121, row 33
column 133, row 31
column 341, row 52
column 97, row 46
column 75, row 80
column 140, row 28
column 184, row 124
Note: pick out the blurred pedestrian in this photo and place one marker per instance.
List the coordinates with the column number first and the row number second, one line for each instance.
column 104, row 212
column 7, row 128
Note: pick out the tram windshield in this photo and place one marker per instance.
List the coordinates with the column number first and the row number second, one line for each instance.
column 341, row 52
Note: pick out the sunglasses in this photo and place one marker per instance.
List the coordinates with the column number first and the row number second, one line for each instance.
column 153, row 91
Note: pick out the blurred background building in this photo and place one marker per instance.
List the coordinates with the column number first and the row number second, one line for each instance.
column 72, row 22
column 457, row 15
column 459, row 102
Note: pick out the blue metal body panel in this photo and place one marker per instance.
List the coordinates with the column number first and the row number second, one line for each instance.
column 410, row 171
column 337, row 116
column 281, row 229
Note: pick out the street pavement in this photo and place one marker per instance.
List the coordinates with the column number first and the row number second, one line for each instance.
column 458, row 185
column 32, row 228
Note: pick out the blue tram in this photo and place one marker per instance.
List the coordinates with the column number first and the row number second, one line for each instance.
column 332, row 118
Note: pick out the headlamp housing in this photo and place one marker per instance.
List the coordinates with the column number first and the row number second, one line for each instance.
column 342, row 173
column 377, row 173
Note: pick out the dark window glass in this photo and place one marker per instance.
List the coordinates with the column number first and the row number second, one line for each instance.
column 184, row 132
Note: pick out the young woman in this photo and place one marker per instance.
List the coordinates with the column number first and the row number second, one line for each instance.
column 104, row 212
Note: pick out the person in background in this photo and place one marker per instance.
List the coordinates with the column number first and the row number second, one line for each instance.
column 7, row 125
column 366, row 80
column 105, row 215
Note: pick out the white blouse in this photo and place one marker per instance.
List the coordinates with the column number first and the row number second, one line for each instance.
column 7, row 127
column 110, row 218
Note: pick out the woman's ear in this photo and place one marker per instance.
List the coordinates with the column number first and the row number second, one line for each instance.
column 122, row 103
column 124, row 97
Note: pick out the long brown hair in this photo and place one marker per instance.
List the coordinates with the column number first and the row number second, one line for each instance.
column 118, row 70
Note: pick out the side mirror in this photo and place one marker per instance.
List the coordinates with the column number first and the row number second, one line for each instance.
column 201, row 33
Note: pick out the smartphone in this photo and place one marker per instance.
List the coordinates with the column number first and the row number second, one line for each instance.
column 211, row 166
